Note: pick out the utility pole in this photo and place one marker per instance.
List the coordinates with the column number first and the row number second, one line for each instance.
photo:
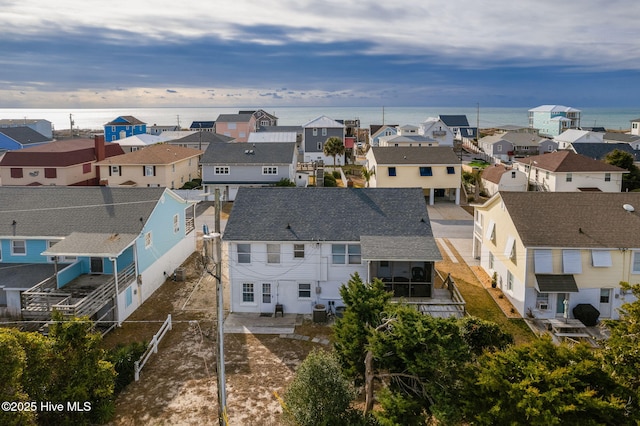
column 215, row 254
column 222, row 391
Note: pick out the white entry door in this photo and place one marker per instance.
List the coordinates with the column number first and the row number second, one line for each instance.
column 605, row 303
column 267, row 298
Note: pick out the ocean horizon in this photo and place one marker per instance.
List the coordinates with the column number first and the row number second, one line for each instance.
column 484, row 117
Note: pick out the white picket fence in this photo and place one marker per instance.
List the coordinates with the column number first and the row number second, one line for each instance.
column 153, row 347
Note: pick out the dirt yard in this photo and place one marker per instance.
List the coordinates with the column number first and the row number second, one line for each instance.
column 178, row 384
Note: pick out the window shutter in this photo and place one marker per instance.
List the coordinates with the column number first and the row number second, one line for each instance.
column 154, row 170
column 109, row 170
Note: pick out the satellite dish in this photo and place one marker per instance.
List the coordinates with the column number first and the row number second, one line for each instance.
column 628, row 207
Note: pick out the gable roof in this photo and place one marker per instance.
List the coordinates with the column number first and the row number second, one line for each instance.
column 244, row 153
column 523, row 139
column 574, row 219
column 331, row 214
column 495, row 172
column 620, row 137
column 455, row 120
column 390, row 139
column 24, row 135
column 323, row 121
column 415, row 155
column 143, row 139
column 157, row 154
column 202, row 124
column 297, row 129
column 571, row 135
column 208, row 137
column 58, row 154
column 61, row 210
column 553, row 108
column 272, row 137
column 567, row 161
column 234, row 118
column 124, row 120
column 383, row 128
column 598, row 151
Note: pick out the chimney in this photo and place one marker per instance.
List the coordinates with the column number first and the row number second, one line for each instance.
column 100, row 153
column 99, row 147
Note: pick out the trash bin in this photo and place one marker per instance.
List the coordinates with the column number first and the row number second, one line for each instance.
column 340, row 311
column 319, row 313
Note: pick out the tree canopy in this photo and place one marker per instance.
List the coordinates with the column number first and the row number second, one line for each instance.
column 333, row 147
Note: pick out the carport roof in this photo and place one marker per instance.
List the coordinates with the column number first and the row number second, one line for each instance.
column 399, row 248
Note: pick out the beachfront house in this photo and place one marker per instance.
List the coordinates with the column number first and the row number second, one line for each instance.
column 552, row 120
column 295, row 247
column 436, row 129
column 552, row 251
column 95, row 251
column 122, row 127
column 236, row 126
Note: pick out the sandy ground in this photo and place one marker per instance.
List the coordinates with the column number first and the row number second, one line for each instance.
column 178, row 384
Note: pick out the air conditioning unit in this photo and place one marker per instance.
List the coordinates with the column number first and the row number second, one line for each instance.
column 543, row 306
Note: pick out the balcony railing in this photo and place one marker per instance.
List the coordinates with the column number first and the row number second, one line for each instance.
column 39, row 301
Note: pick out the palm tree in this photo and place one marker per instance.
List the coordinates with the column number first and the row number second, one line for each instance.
column 366, row 174
column 334, row 147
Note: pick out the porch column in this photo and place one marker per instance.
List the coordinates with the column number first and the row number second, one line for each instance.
column 457, row 196
column 115, row 276
column 431, row 196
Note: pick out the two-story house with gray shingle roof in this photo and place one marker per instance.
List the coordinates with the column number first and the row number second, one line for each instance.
column 295, row 247
column 437, row 170
column 566, row 171
column 553, row 251
column 229, row 166
column 236, row 126
column 95, row 251
column 315, row 134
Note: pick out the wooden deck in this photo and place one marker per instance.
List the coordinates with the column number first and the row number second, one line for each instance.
column 86, row 295
column 441, row 305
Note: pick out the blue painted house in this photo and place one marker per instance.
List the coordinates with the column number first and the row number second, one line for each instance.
column 14, row 138
column 123, row 127
column 95, row 251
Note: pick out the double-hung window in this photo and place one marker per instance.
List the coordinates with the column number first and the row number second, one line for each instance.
column 221, row 170
column 273, row 253
column 346, row 253
column 248, row 295
column 244, row 253
column 298, row 251
column 18, row 247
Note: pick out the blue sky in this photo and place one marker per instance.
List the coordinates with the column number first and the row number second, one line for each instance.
column 147, row 53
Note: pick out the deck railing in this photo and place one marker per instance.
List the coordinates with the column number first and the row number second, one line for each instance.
column 40, row 300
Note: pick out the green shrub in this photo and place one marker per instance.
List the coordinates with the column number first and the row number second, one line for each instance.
column 329, row 180
column 336, row 174
column 123, row 358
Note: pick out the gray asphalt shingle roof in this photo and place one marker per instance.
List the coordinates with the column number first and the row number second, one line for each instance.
column 415, row 155
column 243, row 153
column 59, row 211
column 332, row 214
column 575, row 219
column 24, row 135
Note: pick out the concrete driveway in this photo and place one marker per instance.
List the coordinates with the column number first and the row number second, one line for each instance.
column 455, row 224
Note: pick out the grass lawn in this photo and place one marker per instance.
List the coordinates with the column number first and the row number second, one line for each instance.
column 480, row 304
column 478, row 164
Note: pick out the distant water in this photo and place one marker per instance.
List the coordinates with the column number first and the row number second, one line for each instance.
column 610, row 118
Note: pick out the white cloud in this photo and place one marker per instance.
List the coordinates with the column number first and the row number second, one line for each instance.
column 593, row 33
